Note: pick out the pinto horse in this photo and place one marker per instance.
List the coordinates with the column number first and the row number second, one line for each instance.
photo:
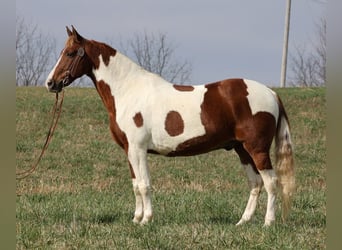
column 147, row 114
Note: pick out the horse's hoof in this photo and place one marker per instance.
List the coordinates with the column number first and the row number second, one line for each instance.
column 269, row 223
column 136, row 221
column 241, row 222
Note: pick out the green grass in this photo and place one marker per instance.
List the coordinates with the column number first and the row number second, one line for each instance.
column 81, row 195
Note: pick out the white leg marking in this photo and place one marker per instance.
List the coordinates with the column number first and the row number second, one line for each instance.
column 270, row 180
column 255, row 183
column 147, row 201
column 142, row 187
column 139, row 208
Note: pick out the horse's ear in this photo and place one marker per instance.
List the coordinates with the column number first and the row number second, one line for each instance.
column 77, row 37
column 68, row 31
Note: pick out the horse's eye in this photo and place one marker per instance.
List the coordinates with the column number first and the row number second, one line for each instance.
column 70, row 54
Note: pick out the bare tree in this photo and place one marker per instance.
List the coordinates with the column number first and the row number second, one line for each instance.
column 34, row 52
column 309, row 67
column 321, row 50
column 156, row 54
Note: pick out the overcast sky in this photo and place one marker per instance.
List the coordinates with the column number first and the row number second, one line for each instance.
column 221, row 38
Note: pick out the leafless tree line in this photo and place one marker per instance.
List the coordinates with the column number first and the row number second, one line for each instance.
column 36, row 53
column 308, row 67
column 156, row 53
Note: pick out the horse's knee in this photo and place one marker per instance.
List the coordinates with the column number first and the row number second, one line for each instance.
column 145, row 190
column 136, row 189
column 258, row 183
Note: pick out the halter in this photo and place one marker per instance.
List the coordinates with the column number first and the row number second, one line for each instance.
column 73, row 66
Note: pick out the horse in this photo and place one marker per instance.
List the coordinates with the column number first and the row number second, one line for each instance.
column 148, row 114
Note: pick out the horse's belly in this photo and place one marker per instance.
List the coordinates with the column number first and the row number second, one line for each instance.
column 196, row 145
column 164, row 142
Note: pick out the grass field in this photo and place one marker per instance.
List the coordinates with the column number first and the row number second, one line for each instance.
column 81, row 195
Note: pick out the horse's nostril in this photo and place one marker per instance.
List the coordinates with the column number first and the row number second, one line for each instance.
column 49, row 83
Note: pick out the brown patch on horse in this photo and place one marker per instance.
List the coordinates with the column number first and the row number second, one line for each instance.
column 96, row 49
column 138, row 120
column 258, row 141
column 183, row 87
column 255, row 145
column 217, row 118
column 221, row 114
column 245, row 158
column 118, row 135
column 174, row 124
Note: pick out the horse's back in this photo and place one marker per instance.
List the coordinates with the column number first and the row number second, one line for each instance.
column 239, row 98
column 187, row 118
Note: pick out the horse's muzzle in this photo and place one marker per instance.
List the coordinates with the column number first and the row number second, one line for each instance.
column 55, row 87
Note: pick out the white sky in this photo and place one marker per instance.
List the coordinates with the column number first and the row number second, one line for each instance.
column 221, row 38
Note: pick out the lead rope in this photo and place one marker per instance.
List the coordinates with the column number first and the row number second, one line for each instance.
column 57, row 110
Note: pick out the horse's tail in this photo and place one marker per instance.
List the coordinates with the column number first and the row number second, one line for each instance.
column 284, row 160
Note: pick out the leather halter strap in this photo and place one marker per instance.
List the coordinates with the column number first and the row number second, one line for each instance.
column 74, row 63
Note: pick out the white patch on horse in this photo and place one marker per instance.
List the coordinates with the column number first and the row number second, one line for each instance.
column 188, row 105
column 261, row 98
column 136, row 90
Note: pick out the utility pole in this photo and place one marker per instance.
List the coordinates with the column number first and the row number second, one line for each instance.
column 286, row 41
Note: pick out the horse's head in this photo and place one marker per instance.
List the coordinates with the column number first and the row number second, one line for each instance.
column 72, row 63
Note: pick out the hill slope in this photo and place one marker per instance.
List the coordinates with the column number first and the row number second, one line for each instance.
column 81, row 195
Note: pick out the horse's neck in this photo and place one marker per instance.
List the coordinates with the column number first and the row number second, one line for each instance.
column 122, row 68
column 122, row 74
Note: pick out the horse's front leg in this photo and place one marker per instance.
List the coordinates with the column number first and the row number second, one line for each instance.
column 139, row 207
column 141, row 186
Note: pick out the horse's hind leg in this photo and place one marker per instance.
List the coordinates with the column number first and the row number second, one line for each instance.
column 262, row 161
column 255, row 183
column 270, row 179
